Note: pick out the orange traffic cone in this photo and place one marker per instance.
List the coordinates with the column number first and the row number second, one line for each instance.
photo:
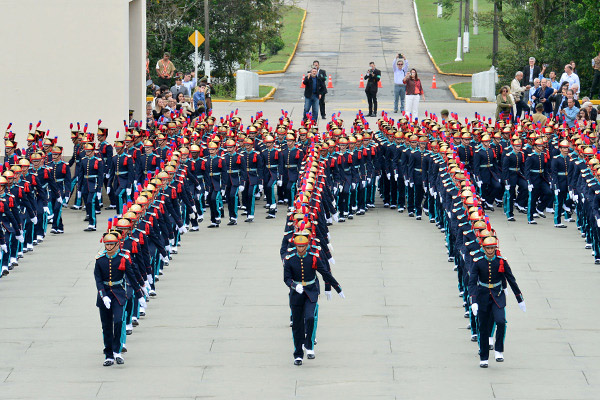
column 361, row 84
column 379, row 84
column 433, row 83
column 330, row 83
column 302, row 82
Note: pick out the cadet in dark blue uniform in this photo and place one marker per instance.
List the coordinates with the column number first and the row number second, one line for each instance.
column 270, row 174
column 488, row 299
column 290, row 159
column 91, row 172
column 299, row 274
column 213, row 166
column 252, row 181
column 61, row 175
column 515, row 184
column 560, row 167
column 537, row 174
column 113, row 274
column 485, row 170
column 235, row 164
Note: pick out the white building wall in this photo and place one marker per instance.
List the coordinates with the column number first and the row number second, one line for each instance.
column 66, row 61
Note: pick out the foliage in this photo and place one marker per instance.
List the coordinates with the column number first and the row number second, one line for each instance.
column 274, row 45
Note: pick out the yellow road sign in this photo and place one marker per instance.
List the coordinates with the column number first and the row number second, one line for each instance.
column 196, row 38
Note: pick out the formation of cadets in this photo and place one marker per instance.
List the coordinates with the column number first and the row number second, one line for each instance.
column 162, row 182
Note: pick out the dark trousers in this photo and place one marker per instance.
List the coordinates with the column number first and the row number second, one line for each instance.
column 322, row 105
column 560, row 202
column 385, row 188
column 304, row 322
column 113, row 331
column 410, row 198
column 214, row 197
column 57, row 222
column 521, row 106
column 232, row 200
column 491, row 191
column 419, row 192
column 393, row 191
column 485, row 318
column 540, row 192
column 372, row 99
column 248, row 198
column 90, row 206
column 595, row 84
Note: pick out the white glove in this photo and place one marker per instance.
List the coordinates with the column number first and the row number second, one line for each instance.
column 474, row 308
column 107, row 176
column 331, row 261
column 556, row 192
column 108, row 190
column 576, row 198
column 299, row 289
column 389, row 176
column 241, row 188
column 193, row 215
column 353, row 185
column 363, row 183
column 106, row 301
column 134, row 183
column 142, row 302
column 199, row 188
column 194, row 209
column 21, row 238
column 150, row 279
column 342, row 295
column 340, row 187
column 328, row 294
column 431, row 191
column 396, row 176
column 598, row 222
column 530, row 187
column 222, row 192
column 369, row 181
column 582, row 199
column 571, row 194
column 205, row 194
column 506, row 187
column 34, row 220
column 59, row 200
column 279, row 182
column 144, row 290
column 128, row 191
column 4, row 248
column 522, row 306
column 182, row 230
column 260, row 188
column 99, row 196
column 479, row 183
column 411, row 184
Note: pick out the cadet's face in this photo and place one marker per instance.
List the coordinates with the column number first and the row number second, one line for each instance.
column 111, row 248
column 517, row 147
column 489, row 250
column 564, row 151
column 301, row 248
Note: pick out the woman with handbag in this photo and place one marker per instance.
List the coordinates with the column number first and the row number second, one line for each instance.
column 414, row 89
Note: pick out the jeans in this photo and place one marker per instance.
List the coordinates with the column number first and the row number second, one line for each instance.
column 311, row 102
column 399, row 91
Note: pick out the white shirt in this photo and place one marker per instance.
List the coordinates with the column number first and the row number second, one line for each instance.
column 573, row 79
column 400, row 73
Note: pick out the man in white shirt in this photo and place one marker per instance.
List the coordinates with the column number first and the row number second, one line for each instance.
column 572, row 78
column 400, row 70
column 517, row 91
column 189, row 81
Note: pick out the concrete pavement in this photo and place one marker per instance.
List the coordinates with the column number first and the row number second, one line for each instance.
column 219, row 326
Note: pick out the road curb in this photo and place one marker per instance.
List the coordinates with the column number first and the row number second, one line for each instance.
column 268, row 96
column 457, row 97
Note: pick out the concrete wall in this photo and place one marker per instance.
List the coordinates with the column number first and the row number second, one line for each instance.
column 68, row 60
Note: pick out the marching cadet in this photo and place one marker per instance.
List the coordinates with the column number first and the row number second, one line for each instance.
column 417, row 170
column 560, row 167
column 234, row 167
column 270, row 174
column 536, row 172
column 344, row 162
column 484, row 169
column 105, row 150
column 43, row 185
column 253, row 170
column 147, row 162
column 213, row 167
column 515, row 184
column 121, row 175
column 61, row 176
column 299, row 275
column 113, row 275
column 488, row 299
column 75, row 159
column 11, row 231
column 196, row 180
column 290, row 159
column 91, row 172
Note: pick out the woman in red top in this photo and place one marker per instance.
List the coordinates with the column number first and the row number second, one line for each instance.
column 414, row 89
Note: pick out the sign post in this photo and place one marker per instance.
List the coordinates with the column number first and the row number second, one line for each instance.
column 196, row 39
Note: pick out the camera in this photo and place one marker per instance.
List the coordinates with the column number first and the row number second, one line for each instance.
column 545, row 65
column 400, row 55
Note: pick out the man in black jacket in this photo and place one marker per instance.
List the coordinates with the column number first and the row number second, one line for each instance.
column 322, row 75
column 314, row 88
column 532, row 71
column 372, row 77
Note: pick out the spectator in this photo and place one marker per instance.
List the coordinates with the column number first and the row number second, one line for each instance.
column 504, row 104
column 179, row 88
column 322, row 75
column 572, row 78
column 189, row 81
column 400, row 70
column 569, row 114
column 373, row 76
column 200, row 99
column 545, row 94
column 314, row 88
column 165, row 70
column 574, row 66
column 172, row 104
column 592, row 113
column 596, row 80
column 532, row 71
column 582, row 119
column 560, row 98
column 534, row 94
column 187, row 107
column 539, row 116
column 517, row 91
column 555, row 84
column 414, row 89
column 445, row 114
column 207, row 92
column 149, row 115
column 158, row 108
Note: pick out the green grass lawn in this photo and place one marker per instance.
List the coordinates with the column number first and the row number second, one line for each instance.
column 463, row 89
column 292, row 20
column 441, row 34
column 263, row 90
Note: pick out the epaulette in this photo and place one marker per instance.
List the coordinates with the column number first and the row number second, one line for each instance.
column 477, row 258
column 288, row 256
column 100, row 254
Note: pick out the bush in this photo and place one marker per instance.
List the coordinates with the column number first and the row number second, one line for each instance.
column 274, row 45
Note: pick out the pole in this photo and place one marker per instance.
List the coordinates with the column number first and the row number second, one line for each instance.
column 466, row 35
column 475, row 17
column 495, row 36
column 206, row 42
column 196, row 61
column 440, row 10
column 459, row 40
